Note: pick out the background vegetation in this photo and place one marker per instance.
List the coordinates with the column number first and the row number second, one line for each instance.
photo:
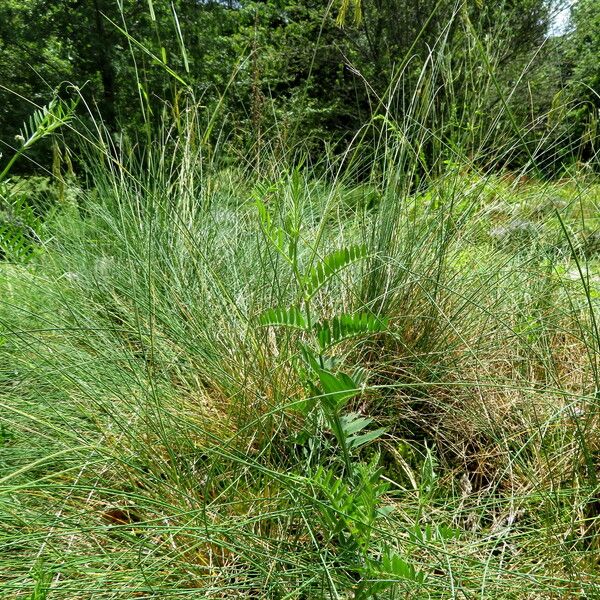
column 303, row 72
column 299, row 301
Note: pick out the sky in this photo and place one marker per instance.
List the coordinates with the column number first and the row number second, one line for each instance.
column 561, row 19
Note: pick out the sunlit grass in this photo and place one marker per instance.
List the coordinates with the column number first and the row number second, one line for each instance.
column 152, row 442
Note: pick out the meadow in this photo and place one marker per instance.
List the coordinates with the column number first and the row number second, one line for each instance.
column 299, row 380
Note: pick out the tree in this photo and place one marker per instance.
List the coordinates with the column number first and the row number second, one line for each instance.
column 582, row 45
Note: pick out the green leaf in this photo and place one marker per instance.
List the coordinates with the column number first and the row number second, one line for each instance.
column 345, row 326
column 285, row 317
column 309, row 356
column 334, row 262
column 365, row 438
column 337, row 389
column 42, row 123
column 46, row 120
column 394, row 565
column 430, row 533
column 385, row 511
column 353, row 424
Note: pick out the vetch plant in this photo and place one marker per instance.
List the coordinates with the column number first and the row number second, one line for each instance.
column 349, row 492
column 42, row 123
column 19, row 225
column 329, row 389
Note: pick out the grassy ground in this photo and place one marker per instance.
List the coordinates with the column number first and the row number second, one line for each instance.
column 417, row 418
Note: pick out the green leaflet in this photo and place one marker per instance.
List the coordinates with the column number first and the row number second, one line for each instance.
column 285, row 317
column 352, row 425
column 337, row 389
column 344, row 326
column 332, row 264
column 394, row 565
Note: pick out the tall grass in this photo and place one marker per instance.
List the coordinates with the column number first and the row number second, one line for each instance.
column 170, row 427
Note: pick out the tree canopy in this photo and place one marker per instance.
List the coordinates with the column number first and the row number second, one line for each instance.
column 312, row 73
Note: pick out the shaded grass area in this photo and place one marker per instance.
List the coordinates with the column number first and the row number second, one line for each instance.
column 159, row 438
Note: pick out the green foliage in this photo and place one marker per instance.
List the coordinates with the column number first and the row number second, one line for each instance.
column 332, row 390
column 352, row 506
column 352, row 424
column 349, row 510
column 352, row 502
column 345, row 326
column 154, row 405
column 306, row 338
column 580, row 48
column 289, row 317
column 331, row 264
column 20, row 229
column 394, row 569
column 20, row 223
column 40, row 125
column 286, row 75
